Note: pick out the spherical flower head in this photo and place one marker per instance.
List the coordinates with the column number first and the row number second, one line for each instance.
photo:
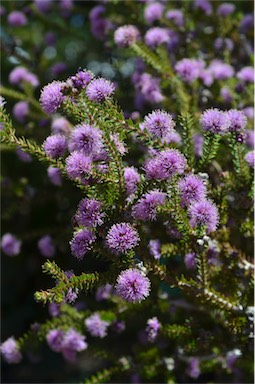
column 247, row 23
column 55, row 176
column 55, row 146
column 132, row 178
column 215, row 121
column 176, row 16
column 96, row 326
column 54, row 339
column 198, row 141
column 99, row 90
column 126, row 35
column 62, row 126
column 10, row 244
column 146, row 208
column 155, row 249
column 122, row 237
column 246, row 75
column 150, row 88
column 190, row 260
column 153, row 12
column 226, row 94
column 43, row 5
column 205, row 6
column 104, row 292
column 156, row 36
column 220, row 70
column 89, row 213
column 17, row 19
column 10, row 351
column 153, row 326
column 249, row 158
column 191, row 188
column 237, row 119
column 249, row 112
column 73, row 341
column 78, row 166
column 81, row 79
column 52, row 97
column 132, row 285
column 193, row 369
column 21, row 110
column 204, row 213
column 17, row 75
column 223, row 44
column 189, row 69
column 82, row 243
column 87, row 139
column 46, row 246
column 226, row 9
column 165, row 165
column 159, row 123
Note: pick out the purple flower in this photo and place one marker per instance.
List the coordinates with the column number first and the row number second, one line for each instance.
column 89, row 213
column 246, row 75
column 52, row 97
column 78, row 166
column 189, row 69
column 132, row 178
column 153, row 326
column 215, row 121
column 55, row 176
column 10, row 244
column 17, row 19
column 226, row 9
column 61, row 125
column 224, row 44
column 119, row 326
column 198, row 141
column 249, row 112
column 153, row 12
column 104, row 292
column 126, row 35
column 46, row 246
column 20, row 74
column 99, row 25
column 122, row 237
column 150, row 88
column 96, row 326
column 176, row 16
column 237, row 119
column 43, row 5
column 159, row 123
column 172, row 137
column 193, row 369
column 190, row 260
column 10, row 351
column 132, row 285
column 54, row 309
column 249, row 138
column 226, row 94
column 165, row 165
column 54, row 339
column 220, row 70
column 204, row 213
column 146, row 208
column 55, row 146
column 191, row 189
column 81, row 79
column 156, row 36
column 87, row 139
column 21, row 110
column 82, row 243
column 205, row 6
column 23, row 156
column 73, row 341
column 249, row 158
column 155, row 249
column 99, row 90
column 247, row 23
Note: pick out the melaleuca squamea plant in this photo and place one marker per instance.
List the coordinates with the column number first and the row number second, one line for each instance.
column 158, row 225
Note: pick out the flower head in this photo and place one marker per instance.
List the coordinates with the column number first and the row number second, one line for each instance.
column 78, row 166
column 189, row 69
column 220, row 70
column 176, row 16
column 215, row 121
column 165, row 165
column 61, row 125
column 55, row 175
column 122, row 237
column 55, row 146
column 226, row 9
column 132, row 285
column 159, row 123
column 17, row 19
column 126, row 35
column 54, row 339
column 155, row 249
column 146, row 208
column 132, row 178
column 82, row 243
column 10, row 351
column 153, row 12
column 104, row 292
column 87, row 139
column 204, row 213
column 99, row 89
column 10, row 244
column 237, row 120
column 246, row 75
column 52, row 97
column 96, row 326
column 89, row 213
column 46, row 246
column 249, row 158
column 81, row 79
column 156, row 36
column 21, row 110
column 74, row 341
column 153, row 326
column 190, row 260
column 193, row 369
column 192, row 188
